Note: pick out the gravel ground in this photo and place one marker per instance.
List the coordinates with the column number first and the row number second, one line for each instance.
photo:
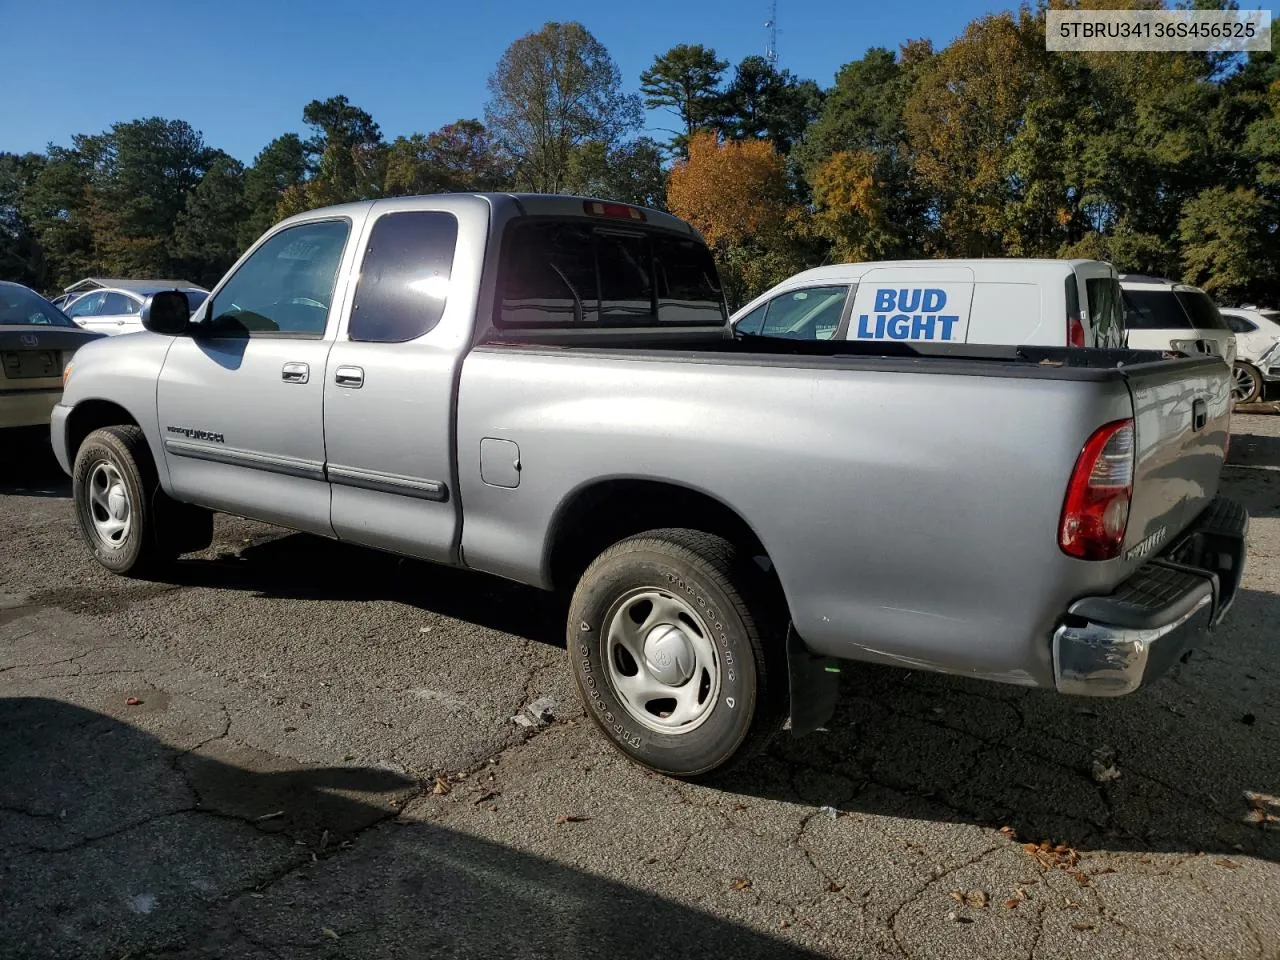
column 322, row 762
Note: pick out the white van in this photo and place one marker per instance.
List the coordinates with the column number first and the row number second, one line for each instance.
column 1033, row 302
column 1164, row 314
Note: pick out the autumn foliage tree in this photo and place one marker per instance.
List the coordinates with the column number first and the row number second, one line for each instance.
column 736, row 193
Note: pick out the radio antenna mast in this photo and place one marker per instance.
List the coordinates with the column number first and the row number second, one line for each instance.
column 771, row 45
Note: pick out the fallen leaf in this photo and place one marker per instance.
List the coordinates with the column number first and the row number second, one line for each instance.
column 571, row 818
column 957, row 896
column 740, row 807
column 1030, row 847
column 833, row 887
column 441, row 787
column 132, row 702
column 329, row 933
column 1083, row 926
column 742, row 883
column 1080, row 877
column 1229, row 864
column 784, row 924
column 1007, row 831
column 1012, row 903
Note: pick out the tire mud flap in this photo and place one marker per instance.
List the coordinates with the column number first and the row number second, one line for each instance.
column 815, row 685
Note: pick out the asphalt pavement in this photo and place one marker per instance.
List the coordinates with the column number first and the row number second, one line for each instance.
column 294, row 748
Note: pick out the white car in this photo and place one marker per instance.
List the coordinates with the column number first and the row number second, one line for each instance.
column 116, row 310
column 1257, row 350
column 1164, row 314
column 1057, row 303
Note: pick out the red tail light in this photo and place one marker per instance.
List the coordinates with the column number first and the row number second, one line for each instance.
column 1095, row 513
column 1075, row 332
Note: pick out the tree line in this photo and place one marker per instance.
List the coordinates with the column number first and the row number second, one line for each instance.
column 1165, row 163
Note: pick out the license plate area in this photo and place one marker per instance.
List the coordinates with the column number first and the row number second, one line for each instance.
column 30, row 364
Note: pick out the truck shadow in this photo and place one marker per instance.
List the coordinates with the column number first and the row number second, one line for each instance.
column 117, row 843
column 1190, row 764
column 304, row 567
column 1198, row 753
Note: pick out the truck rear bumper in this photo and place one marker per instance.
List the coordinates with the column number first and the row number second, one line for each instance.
column 1109, row 646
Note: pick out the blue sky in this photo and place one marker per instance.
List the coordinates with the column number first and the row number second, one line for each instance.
column 240, row 71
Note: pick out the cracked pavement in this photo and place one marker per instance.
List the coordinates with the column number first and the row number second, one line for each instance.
column 322, row 763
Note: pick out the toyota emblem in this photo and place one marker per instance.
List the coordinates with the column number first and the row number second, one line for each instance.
column 30, row 340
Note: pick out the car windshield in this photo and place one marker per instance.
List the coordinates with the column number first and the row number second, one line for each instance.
column 22, row 307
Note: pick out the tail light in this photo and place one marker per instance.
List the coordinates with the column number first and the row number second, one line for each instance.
column 1095, row 513
column 1075, row 332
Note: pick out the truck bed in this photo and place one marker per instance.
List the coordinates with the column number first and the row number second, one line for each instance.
column 908, row 498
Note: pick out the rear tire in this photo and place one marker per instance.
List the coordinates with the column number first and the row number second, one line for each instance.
column 129, row 524
column 1246, row 383
column 671, row 639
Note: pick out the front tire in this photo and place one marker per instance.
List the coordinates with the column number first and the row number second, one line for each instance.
column 670, row 635
column 116, row 492
column 1246, row 383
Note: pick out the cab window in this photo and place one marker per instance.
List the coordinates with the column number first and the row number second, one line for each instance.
column 285, row 287
column 813, row 313
column 404, row 280
column 117, row 305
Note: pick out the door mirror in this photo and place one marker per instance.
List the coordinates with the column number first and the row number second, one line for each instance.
column 167, row 312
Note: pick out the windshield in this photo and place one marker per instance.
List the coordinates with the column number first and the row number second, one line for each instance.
column 22, row 307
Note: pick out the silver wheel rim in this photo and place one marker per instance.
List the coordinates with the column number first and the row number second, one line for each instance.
column 661, row 661
column 109, row 505
column 1243, row 383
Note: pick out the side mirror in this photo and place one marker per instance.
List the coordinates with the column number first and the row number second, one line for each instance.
column 167, row 312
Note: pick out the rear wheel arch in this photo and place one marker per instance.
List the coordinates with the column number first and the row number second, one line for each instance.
column 94, row 414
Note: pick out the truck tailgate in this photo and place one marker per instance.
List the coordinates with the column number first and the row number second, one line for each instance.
column 1182, row 417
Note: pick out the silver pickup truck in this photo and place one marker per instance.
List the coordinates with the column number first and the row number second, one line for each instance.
column 547, row 389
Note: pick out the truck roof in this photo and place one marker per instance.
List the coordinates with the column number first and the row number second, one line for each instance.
column 530, row 204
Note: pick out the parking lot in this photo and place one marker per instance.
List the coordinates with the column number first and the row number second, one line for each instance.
column 296, row 748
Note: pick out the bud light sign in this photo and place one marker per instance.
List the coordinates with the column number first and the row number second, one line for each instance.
column 938, row 313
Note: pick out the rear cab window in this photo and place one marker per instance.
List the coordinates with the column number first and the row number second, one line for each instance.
column 562, row 273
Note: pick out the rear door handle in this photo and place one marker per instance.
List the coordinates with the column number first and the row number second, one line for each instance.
column 295, row 373
column 349, row 377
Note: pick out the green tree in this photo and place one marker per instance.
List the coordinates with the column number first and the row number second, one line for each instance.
column 631, row 172
column 1228, row 245
column 55, row 204
column 764, row 103
column 21, row 257
column 281, row 165
column 459, row 157
column 552, row 91
column 346, row 157
column 207, row 234
column 686, row 81
column 867, row 201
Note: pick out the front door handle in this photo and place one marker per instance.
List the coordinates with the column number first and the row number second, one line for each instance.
column 295, row 373
column 349, row 377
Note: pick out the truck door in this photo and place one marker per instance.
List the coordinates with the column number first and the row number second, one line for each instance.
column 390, row 381
column 913, row 305
column 240, row 402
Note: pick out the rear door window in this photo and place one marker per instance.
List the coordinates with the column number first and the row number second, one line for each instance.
column 117, row 304
column 90, row 305
column 566, row 273
column 1106, row 313
column 1202, row 310
column 1154, row 310
column 404, row 279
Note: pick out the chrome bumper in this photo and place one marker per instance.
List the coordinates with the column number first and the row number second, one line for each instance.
column 1109, row 646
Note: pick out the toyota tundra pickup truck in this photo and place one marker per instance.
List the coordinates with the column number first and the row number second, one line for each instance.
column 547, row 389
